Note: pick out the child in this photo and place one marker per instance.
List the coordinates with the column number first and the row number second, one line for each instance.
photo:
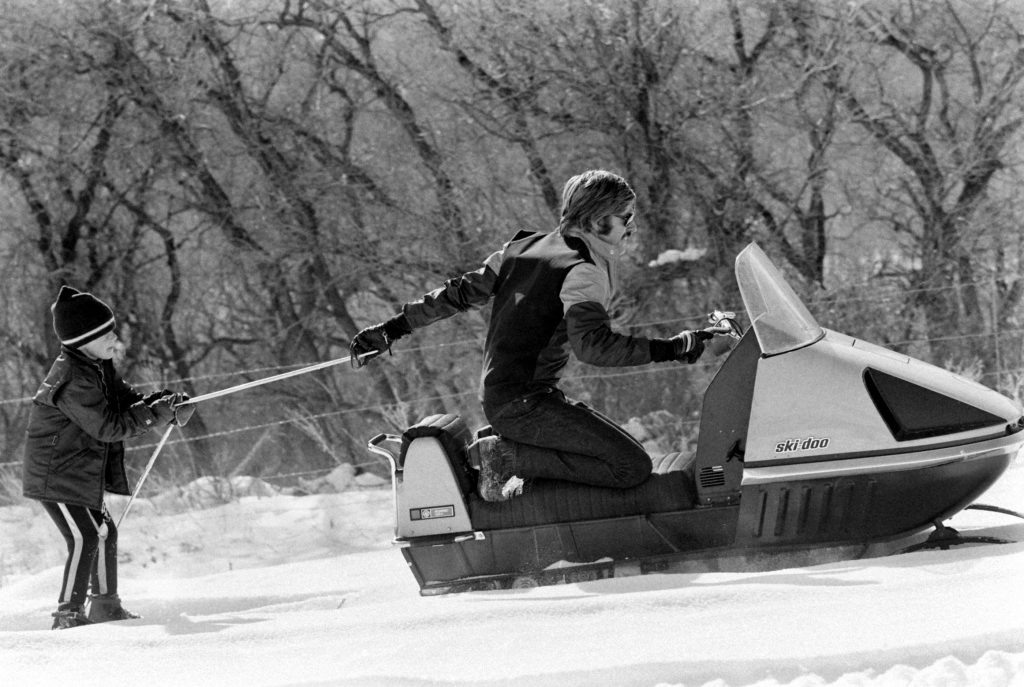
column 80, row 417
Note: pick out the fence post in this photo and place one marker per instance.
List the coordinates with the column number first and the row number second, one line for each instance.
column 995, row 331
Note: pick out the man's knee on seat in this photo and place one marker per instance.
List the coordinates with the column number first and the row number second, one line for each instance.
column 634, row 473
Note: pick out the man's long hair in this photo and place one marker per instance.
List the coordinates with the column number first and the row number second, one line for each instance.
column 592, row 196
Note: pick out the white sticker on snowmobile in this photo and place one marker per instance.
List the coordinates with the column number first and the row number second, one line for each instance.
column 432, row 513
column 808, row 444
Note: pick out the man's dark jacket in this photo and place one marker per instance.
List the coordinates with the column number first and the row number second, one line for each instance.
column 531, row 332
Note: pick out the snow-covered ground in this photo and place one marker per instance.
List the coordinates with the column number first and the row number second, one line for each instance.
column 307, row 590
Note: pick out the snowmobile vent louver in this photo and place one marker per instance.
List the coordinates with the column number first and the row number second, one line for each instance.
column 712, row 476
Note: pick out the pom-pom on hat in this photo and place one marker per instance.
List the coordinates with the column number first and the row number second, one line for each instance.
column 79, row 317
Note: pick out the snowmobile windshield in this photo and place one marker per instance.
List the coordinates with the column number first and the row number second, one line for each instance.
column 780, row 320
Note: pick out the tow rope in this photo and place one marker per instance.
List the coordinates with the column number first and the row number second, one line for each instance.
column 218, row 394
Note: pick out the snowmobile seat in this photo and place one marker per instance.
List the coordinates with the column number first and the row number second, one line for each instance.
column 669, row 488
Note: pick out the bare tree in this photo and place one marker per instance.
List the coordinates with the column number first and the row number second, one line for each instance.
column 937, row 86
column 251, row 183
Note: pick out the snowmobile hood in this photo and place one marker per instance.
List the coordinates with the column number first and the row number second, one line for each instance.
column 842, row 398
column 832, row 396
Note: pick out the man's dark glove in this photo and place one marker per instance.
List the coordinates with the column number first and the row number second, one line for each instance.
column 368, row 344
column 688, row 345
column 372, row 341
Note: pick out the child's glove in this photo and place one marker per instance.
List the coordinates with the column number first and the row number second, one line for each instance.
column 149, row 398
column 163, row 408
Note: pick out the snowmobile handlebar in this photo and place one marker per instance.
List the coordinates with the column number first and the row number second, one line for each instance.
column 726, row 329
column 724, row 322
column 374, row 446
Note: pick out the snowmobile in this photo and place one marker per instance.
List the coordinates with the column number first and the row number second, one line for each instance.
column 813, row 446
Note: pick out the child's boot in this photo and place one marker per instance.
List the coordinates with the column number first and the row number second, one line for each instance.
column 106, row 607
column 69, row 615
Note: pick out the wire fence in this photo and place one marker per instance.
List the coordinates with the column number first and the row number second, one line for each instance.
column 999, row 330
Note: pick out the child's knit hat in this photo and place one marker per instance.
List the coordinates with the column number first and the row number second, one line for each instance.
column 79, row 317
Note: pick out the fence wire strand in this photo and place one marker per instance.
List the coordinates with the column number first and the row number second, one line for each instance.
column 251, row 373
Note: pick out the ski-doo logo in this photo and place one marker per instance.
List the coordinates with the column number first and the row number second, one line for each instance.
column 807, row 444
